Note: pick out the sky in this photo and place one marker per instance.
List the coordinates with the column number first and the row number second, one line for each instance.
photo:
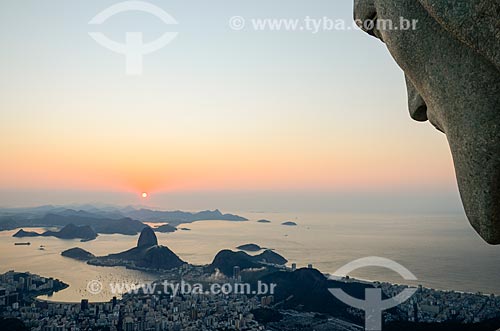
column 219, row 118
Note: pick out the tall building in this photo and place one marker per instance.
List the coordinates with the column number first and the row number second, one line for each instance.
column 84, row 304
column 237, row 273
column 128, row 324
column 29, row 282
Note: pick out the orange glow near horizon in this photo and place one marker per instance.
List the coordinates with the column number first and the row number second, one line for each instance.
column 297, row 165
column 170, row 152
column 223, row 121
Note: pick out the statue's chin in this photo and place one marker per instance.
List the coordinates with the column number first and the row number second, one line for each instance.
column 476, row 154
column 477, row 165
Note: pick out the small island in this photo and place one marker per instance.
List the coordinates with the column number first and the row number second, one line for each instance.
column 263, row 221
column 78, row 254
column 250, row 247
column 167, row 228
column 289, row 223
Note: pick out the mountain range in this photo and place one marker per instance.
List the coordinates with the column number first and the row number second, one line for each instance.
column 104, row 220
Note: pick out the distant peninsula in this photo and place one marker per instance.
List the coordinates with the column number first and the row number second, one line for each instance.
column 98, row 223
column 175, row 218
column 70, row 231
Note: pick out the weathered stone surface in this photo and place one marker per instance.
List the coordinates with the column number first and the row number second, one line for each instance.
column 452, row 66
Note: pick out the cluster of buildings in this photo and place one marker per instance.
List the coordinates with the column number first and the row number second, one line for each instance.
column 163, row 311
column 190, row 313
column 143, row 313
column 295, row 321
column 16, row 287
column 434, row 306
column 209, row 311
column 48, row 316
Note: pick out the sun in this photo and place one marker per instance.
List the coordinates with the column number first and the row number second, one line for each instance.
column 144, row 195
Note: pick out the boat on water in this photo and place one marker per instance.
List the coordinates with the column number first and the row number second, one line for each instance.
column 22, row 244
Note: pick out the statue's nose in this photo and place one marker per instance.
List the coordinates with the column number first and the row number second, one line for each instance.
column 365, row 10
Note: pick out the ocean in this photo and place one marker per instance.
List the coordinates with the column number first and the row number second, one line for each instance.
column 442, row 251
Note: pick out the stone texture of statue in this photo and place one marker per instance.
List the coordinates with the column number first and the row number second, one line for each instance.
column 452, row 67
